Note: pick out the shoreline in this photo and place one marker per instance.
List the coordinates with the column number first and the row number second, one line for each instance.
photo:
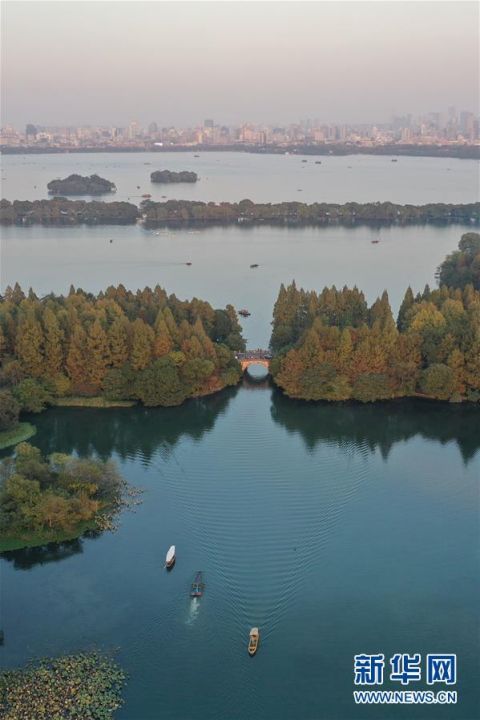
column 12, row 543
column 459, row 152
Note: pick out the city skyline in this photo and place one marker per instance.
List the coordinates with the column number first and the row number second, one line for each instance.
column 442, row 128
column 347, row 62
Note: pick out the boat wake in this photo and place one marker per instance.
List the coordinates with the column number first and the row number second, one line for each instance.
column 193, row 610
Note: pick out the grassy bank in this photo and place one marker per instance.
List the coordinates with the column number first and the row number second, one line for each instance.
column 96, row 402
column 43, row 538
column 22, row 432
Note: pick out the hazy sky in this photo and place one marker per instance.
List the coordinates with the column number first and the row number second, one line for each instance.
column 178, row 63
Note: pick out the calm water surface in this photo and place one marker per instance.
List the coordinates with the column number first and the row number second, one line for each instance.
column 336, row 530
column 262, row 178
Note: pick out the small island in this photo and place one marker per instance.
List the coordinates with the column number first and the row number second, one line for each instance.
column 168, row 176
column 57, row 498
column 81, row 185
column 84, row 685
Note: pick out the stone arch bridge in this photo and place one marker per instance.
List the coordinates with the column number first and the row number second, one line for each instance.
column 254, row 357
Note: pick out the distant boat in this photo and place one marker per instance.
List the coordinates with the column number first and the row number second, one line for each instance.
column 244, row 312
column 253, row 641
column 170, row 557
column 188, row 263
column 374, row 242
column 196, row 156
column 146, row 195
column 304, row 160
column 394, row 160
column 198, row 585
column 254, row 265
column 138, row 187
column 318, row 162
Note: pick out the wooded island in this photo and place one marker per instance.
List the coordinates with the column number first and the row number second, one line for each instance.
column 81, row 185
column 52, row 499
column 168, row 176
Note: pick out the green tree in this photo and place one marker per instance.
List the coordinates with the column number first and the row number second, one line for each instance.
column 407, row 304
column 438, row 381
column 9, row 410
column 160, row 384
column 32, row 395
column 369, row 387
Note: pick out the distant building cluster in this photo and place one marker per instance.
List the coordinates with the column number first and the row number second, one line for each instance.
column 435, row 128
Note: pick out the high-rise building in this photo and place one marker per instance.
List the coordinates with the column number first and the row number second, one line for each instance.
column 208, row 123
column 133, row 130
column 153, row 128
column 30, row 131
column 467, row 125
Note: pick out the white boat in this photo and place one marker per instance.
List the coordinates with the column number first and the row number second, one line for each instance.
column 170, row 557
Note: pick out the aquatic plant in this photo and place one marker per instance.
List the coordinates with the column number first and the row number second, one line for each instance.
column 85, row 686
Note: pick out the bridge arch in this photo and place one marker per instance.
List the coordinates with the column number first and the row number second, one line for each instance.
column 254, row 357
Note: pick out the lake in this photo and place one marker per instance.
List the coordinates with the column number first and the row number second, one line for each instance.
column 337, row 529
column 233, row 176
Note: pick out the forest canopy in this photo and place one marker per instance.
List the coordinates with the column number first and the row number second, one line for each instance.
column 118, row 344
column 333, row 346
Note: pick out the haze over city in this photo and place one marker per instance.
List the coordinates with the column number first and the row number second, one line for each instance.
column 75, row 63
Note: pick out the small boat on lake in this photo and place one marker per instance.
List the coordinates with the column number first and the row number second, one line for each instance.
column 244, row 312
column 188, row 263
column 170, row 557
column 253, row 641
column 254, row 265
column 374, row 242
column 146, row 195
column 197, row 586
